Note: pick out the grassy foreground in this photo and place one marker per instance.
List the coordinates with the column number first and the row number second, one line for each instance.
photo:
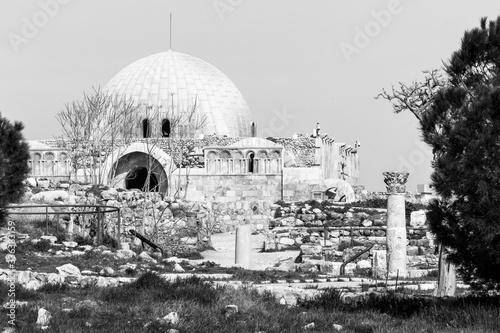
column 139, row 306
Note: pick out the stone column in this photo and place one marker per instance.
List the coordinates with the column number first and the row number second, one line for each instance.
column 396, row 223
column 243, row 246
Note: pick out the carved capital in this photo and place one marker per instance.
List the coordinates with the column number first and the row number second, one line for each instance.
column 395, row 182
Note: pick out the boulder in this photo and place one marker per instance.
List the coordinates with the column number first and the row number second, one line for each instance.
column 171, row 318
column 31, row 181
column 362, row 264
column 144, row 256
column 43, row 318
column 178, row 268
column 68, row 269
column 125, row 254
column 51, row 239
column 418, row 218
column 109, row 194
column 107, row 271
column 70, row 244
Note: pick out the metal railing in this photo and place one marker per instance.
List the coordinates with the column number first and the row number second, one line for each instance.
column 98, row 210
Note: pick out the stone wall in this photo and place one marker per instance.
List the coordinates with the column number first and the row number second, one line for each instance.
column 329, row 235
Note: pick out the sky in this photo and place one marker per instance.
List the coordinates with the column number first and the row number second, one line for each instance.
column 296, row 62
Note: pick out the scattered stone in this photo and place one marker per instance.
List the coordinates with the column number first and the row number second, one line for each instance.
column 51, row 239
column 125, row 254
column 125, row 246
column 171, row 318
column 337, row 327
column 363, row 264
column 367, row 223
column 178, row 268
column 231, row 310
column 68, row 269
column 309, row 326
column 144, row 256
column 43, row 319
column 70, row 244
column 33, row 285
column 107, row 271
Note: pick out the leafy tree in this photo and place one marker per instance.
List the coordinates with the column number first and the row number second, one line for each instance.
column 463, row 127
column 14, row 155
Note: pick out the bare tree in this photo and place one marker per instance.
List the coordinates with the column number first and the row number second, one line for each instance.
column 416, row 97
column 88, row 124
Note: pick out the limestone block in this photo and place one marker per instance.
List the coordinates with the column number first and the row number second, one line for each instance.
column 349, row 268
column 379, row 261
column 362, row 264
column 311, row 249
column 418, row 218
column 286, row 241
column 43, row 318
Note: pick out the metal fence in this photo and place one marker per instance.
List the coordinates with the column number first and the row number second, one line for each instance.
column 80, row 210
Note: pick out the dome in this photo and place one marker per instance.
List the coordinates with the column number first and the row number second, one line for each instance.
column 175, row 79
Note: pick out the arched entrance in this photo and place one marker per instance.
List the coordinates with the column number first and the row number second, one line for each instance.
column 141, row 171
column 141, row 179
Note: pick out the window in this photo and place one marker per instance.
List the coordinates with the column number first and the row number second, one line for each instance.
column 146, row 128
column 165, row 128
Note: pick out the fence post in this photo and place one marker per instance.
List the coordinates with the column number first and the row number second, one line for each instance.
column 99, row 235
column 119, row 227
column 46, row 220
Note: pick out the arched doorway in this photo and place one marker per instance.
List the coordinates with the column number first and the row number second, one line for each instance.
column 141, row 179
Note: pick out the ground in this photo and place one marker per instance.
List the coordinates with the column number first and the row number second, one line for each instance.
column 224, row 253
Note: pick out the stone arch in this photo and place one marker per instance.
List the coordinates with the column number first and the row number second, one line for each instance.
column 134, row 156
column 262, row 154
column 212, row 154
column 237, row 154
column 48, row 156
column 225, row 154
column 276, row 154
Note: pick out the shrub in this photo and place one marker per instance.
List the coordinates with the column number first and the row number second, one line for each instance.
column 14, row 155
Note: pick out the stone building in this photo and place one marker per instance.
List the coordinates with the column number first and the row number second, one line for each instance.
column 193, row 136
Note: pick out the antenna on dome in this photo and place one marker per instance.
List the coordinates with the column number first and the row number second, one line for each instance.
column 170, row 31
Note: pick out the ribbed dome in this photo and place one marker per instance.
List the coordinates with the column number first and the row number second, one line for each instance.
column 173, row 77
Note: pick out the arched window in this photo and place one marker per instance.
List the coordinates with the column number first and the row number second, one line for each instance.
column 165, row 128
column 146, row 128
column 251, row 161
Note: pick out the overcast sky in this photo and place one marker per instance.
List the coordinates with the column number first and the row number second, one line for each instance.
column 296, row 62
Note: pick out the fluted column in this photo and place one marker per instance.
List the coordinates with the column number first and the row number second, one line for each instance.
column 396, row 223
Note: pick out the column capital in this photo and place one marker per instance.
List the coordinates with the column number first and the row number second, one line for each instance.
column 395, row 182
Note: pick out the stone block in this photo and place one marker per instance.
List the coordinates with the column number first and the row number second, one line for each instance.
column 311, row 249
column 379, row 263
column 418, row 218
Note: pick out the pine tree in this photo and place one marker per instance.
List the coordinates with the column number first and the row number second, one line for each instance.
column 14, row 155
column 463, row 128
